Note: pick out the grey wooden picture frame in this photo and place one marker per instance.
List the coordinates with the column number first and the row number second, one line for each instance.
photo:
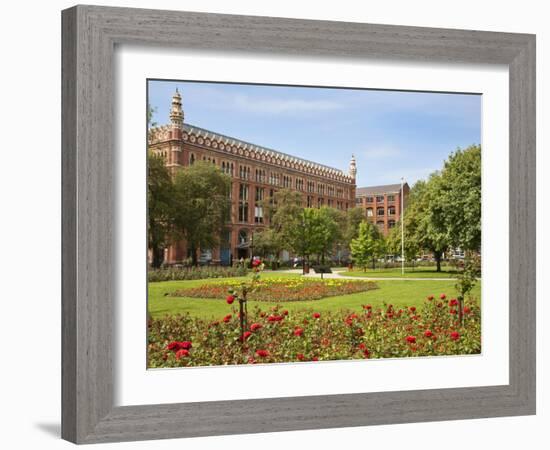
column 90, row 34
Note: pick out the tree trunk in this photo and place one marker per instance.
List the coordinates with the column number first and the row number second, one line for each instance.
column 373, row 265
column 158, row 257
column 437, row 256
column 194, row 256
column 461, row 310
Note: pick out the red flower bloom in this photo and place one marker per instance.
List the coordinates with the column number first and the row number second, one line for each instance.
column 366, row 353
column 186, row 345
column 246, row 335
column 227, row 318
column 455, row 335
column 410, row 339
column 285, row 312
column 256, row 263
column 255, row 326
column 412, row 308
column 428, row 333
column 467, row 310
column 316, row 315
column 182, row 353
column 315, row 358
column 230, row 299
column 442, row 296
column 300, row 356
column 173, row 346
column 363, row 346
column 453, row 311
column 298, row 332
column 453, row 302
column 275, row 318
column 262, row 353
column 367, row 307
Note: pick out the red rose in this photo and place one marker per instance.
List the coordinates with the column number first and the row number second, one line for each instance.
column 316, row 315
column 453, row 302
column 255, row 326
column 298, row 332
column 315, row 358
column 442, row 296
column 275, row 318
column 256, row 263
column 186, row 345
column 230, row 299
column 262, row 353
column 455, row 335
column 367, row 307
column 412, row 308
column 428, row 333
column 227, row 318
column 246, row 335
column 366, row 353
column 300, row 356
column 182, row 353
column 363, row 346
column 467, row 310
column 285, row 312
column 453, row 311
column 410, row 339
column 173, row 346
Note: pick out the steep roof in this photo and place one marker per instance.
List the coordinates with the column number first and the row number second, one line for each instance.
column 373, row 190
column 268, row 151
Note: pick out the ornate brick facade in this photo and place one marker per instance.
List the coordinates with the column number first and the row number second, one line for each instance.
column 382, row 204
column 256, row 172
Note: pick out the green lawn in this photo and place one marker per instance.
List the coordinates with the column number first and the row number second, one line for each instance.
column 398, row 293
column 418, row 272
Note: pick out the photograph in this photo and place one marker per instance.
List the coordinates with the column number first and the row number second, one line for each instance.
column 301, row 224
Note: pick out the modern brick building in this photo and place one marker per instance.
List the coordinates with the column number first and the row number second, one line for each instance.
column 382, row 204
column 256, row 172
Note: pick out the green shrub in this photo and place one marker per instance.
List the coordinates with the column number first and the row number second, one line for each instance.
column 194, row 273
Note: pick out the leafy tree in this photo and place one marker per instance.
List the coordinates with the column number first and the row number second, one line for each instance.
column 367, row 245
column 267, row 242
column 411, row 247
column 425, row 217
column 160, row 197
column 460, row 197
column 298, row 234
column 202, row 205
column 324, row 230
column 282, row 209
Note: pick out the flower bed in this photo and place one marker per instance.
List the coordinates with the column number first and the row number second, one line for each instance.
column 277, row 335
column 281, row 289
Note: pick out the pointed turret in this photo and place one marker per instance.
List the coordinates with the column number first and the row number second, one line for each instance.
column 352, row 167
column 176, row 113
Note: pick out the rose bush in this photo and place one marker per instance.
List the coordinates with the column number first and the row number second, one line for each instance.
column 281, row 336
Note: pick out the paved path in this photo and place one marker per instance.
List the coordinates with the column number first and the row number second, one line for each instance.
column 338, row 274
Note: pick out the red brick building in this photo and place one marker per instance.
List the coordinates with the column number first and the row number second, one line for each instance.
column 382, row 204
column 256, row 172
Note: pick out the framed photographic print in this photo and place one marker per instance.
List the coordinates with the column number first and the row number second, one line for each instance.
column 255, row 208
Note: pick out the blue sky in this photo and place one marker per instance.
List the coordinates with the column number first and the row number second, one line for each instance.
column 391, row 133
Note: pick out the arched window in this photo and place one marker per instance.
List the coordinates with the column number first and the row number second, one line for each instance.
column 191, row 159
column 243, row 237
column 369, row 212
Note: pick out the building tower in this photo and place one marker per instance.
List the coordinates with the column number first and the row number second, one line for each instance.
column 176, row 113
column 352, row 167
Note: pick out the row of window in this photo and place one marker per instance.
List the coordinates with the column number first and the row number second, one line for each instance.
column 275, row 179
column 379, row 199
column 380, row 211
